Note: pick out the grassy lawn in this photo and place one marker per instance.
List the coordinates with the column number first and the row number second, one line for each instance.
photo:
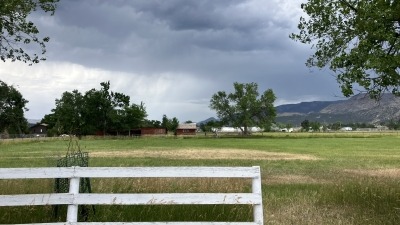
column 345, row 178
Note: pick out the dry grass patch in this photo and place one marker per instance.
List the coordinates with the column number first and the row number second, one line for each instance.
column 306, row 211
column 390, row 173
column 291, row 179
column 204, row 154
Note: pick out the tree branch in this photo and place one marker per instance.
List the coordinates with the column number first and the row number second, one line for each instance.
column 349, row 5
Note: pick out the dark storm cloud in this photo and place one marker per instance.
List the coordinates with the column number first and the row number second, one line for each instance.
column 158, row 29
column 211, row 43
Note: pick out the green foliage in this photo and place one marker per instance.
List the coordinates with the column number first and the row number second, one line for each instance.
column 170, row 124
column 151, row 123
column 103, row 108
column 354, row 126
column 244, row 108
column 16, row 31
column 305, row 125
column 394, row 125
column 207, row 127
column 98, row 110
column 12, row 106
column 358, row 40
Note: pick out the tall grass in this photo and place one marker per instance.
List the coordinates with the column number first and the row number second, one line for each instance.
column 345, row 183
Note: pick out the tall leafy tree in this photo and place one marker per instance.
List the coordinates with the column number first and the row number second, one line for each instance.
column 101, row 106
column 12, row 107
column 16, row 31
column 98, row 110
column 69, row 113
column 134, row 116
column 244, row 107
column 165, row 121
column 358, row 40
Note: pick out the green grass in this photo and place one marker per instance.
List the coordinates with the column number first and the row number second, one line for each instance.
column 353, row 178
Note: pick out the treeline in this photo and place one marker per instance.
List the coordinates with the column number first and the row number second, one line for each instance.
column 94, row 112
column 100, row 112
column 307, row 125
column 97, row 111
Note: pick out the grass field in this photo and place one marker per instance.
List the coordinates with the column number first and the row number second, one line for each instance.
column 344, row 178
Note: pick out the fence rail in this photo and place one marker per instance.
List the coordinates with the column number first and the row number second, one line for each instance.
column 73, row 199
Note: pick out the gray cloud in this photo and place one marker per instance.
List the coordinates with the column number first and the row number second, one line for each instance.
column 205, row 44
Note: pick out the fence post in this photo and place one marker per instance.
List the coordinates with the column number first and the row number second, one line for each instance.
column 72, row 214
column 256, row 189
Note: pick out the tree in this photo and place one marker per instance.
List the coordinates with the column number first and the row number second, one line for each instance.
column 305, row 125
column 358, row 40
column 151, row 123
column 315, row 126
column 69, row 113
column 134, row 116
column 12, row 107
column 207, row 127
column 243, row 108
column 16, row 31
column 101, row 108
column 174, row 123
column 98, row 110
column 170, row 124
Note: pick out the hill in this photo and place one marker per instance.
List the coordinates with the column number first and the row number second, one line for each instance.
column 357, row 109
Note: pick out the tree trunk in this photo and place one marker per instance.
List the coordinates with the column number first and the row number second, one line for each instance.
column 245, row 130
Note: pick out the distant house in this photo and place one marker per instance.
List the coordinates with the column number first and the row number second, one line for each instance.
column 39, row 129
column 186, row 129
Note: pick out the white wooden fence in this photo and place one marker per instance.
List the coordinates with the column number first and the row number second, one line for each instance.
column 74, row 198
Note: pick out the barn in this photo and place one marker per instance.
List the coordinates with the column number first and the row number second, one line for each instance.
column 186, row 129
column 146, row 131
column 39, row 129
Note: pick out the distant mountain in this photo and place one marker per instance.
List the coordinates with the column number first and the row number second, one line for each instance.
column 357, row 109
column 33, row 121
column 303, row 107
column 206, row 121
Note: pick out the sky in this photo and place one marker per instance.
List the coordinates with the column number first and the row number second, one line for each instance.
column 172, row 55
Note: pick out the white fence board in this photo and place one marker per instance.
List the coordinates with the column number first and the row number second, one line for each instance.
column 36, row 199
column 147, row 223
column 134, row 172
column 131, row 199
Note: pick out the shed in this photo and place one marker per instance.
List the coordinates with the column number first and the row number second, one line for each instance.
column 149, row 131
column 186, row 129
column 39, row 128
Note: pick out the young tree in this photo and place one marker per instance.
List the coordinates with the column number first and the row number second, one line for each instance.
column 315, row 126
column 69, row 113
column 12, row 107
column 358, row 40
column 244, row 108
column 305, row 125
column 170, row 124
column 134, row 116
column 16, row 31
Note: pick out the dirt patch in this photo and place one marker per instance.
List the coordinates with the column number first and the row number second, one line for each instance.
column 393, row 173
column 205, row 154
